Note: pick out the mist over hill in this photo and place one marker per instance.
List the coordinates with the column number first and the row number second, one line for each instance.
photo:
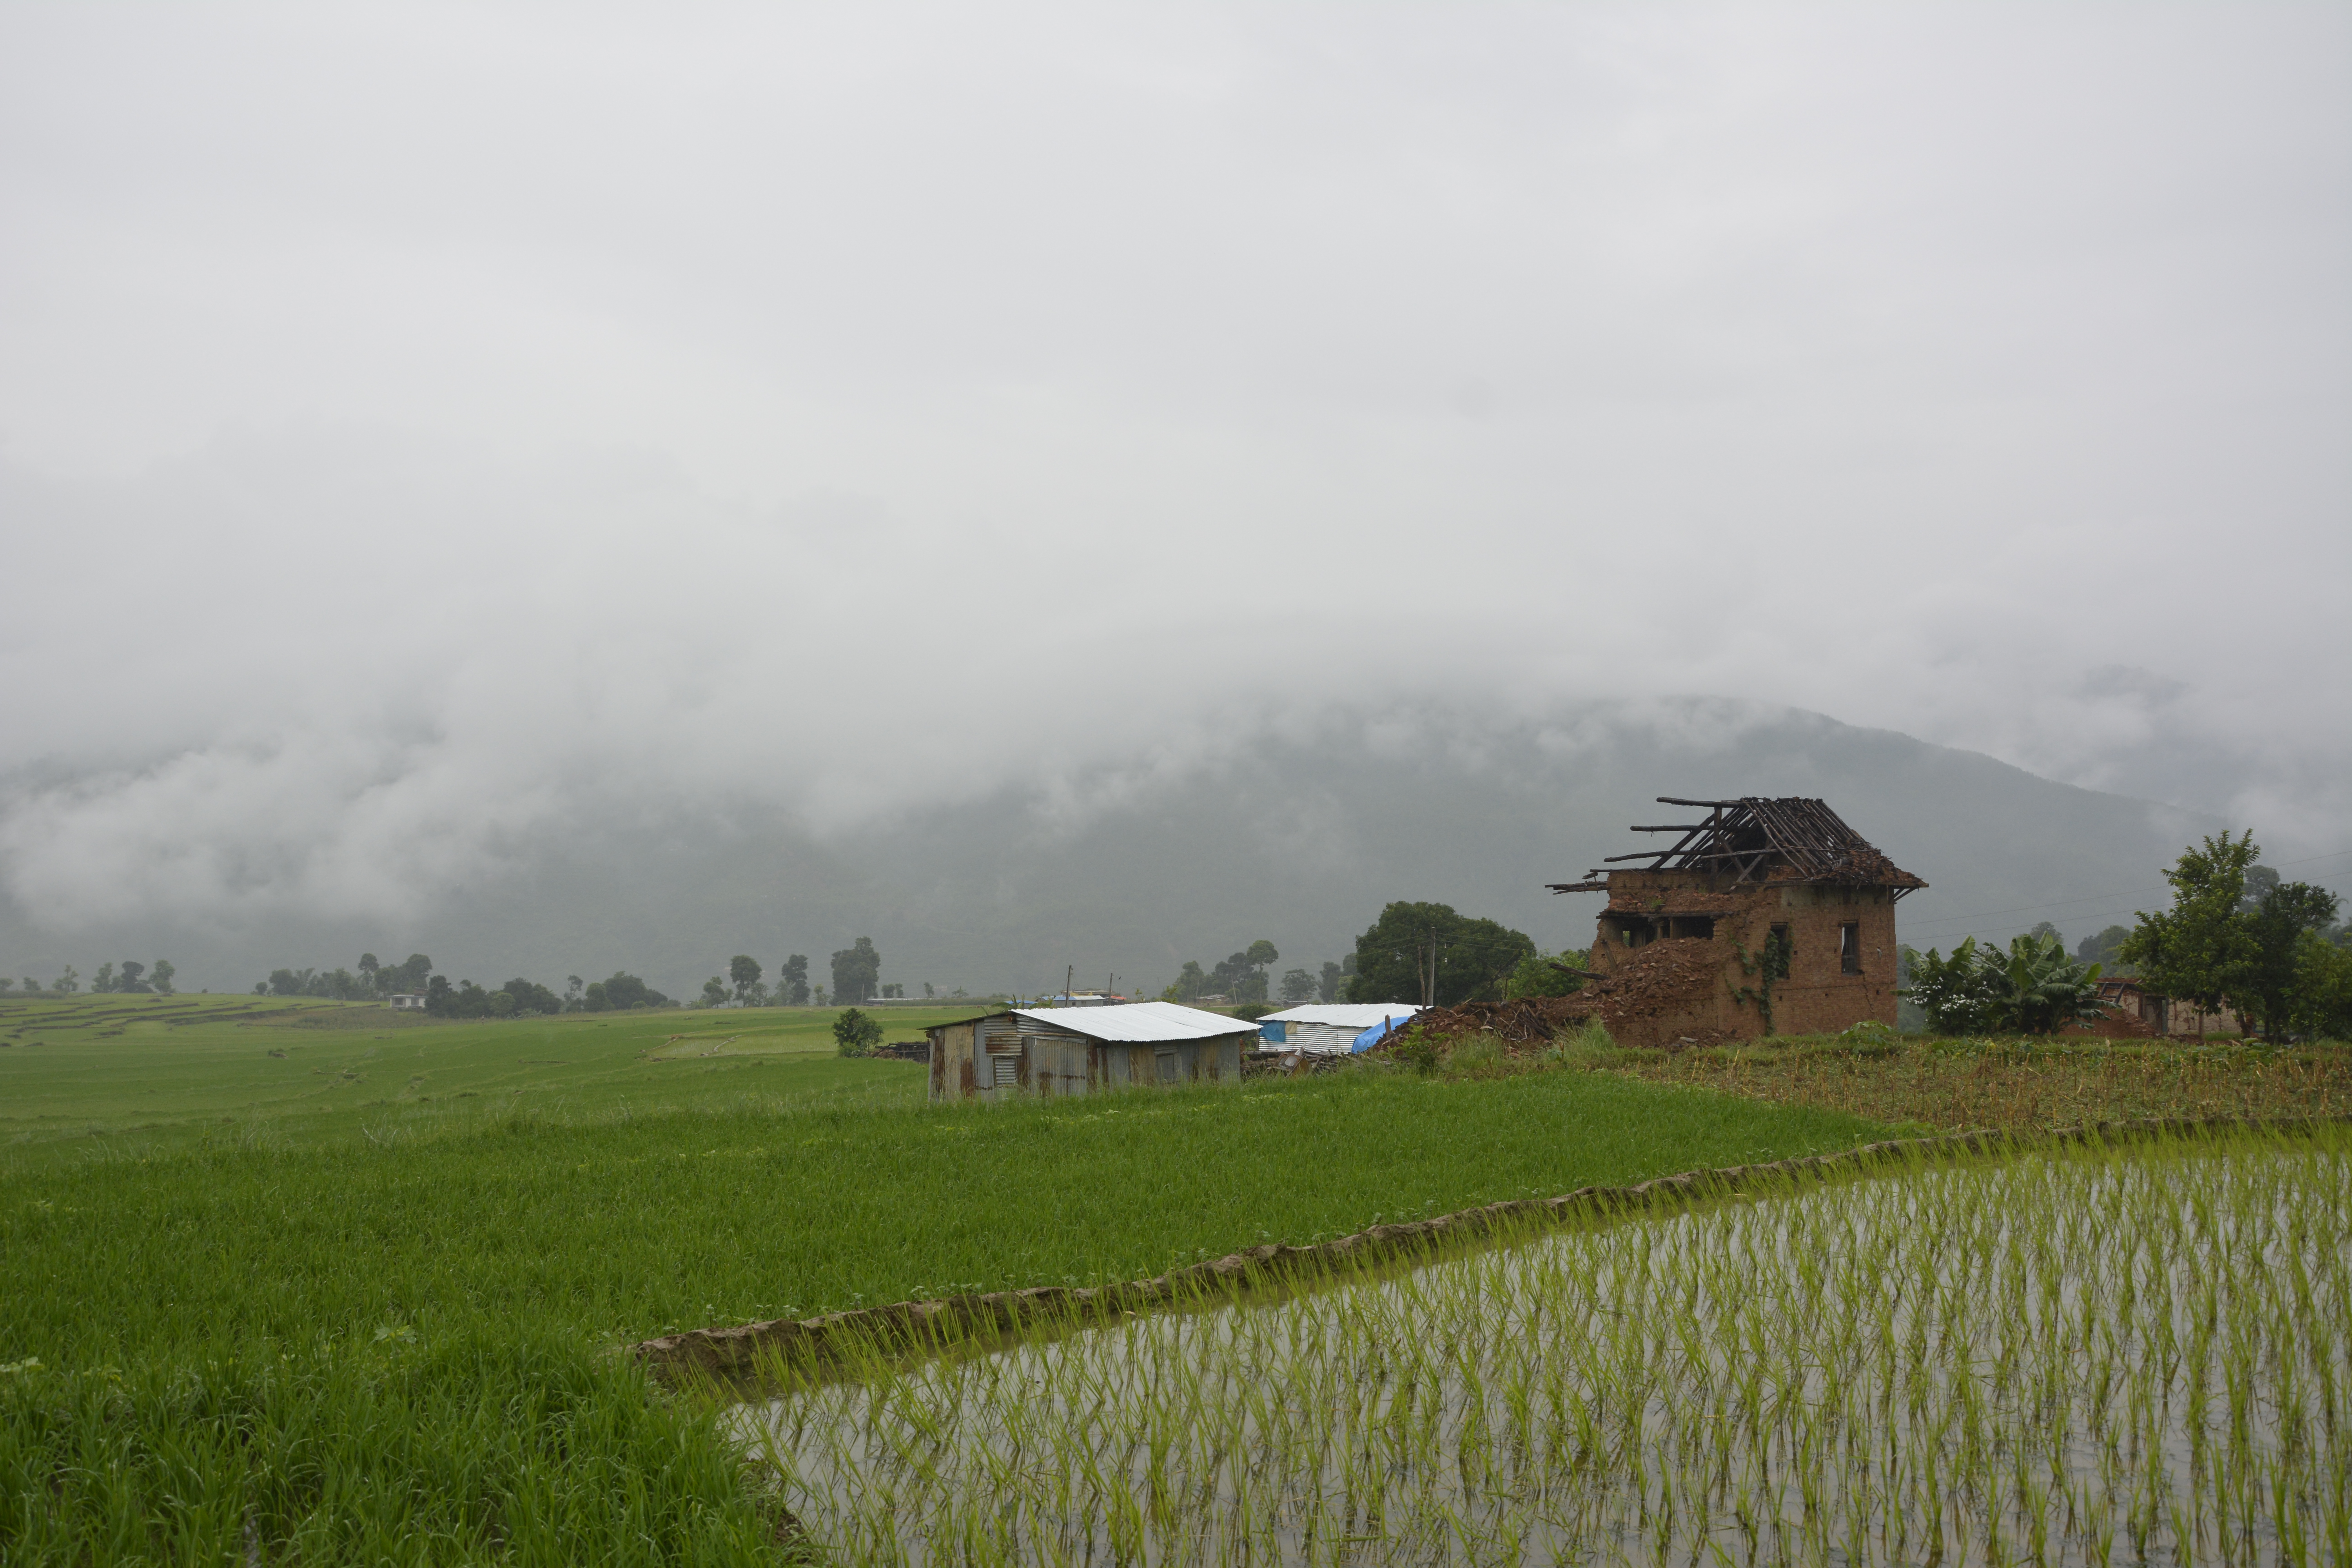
column 1298, row 836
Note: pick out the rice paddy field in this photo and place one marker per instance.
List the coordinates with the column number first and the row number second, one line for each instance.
column 272, row 1314
column 2086, row 1354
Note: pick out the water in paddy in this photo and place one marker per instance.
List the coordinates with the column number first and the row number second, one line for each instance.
column 2075, row 1358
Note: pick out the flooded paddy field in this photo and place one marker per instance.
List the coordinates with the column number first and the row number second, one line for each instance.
column 2086, row 1356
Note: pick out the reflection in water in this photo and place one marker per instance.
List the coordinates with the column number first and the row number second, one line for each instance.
column 2078, row 1357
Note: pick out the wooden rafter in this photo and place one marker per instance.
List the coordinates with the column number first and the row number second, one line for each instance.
column 1756, row 838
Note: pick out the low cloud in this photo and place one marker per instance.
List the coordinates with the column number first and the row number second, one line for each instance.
column 845, row 413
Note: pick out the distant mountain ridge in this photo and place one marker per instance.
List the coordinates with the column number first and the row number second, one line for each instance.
column 1296, row 836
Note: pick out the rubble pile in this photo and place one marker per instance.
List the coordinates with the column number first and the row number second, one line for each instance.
column 1530, row 1021
column 1653, row 996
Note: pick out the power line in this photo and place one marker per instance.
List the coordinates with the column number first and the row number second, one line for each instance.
column 1948, row 922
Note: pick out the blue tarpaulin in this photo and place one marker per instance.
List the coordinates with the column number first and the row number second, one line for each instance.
column 1377, row 1033
column 1271, row 1031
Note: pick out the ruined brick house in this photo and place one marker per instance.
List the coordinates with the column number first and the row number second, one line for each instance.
column 1762, row 916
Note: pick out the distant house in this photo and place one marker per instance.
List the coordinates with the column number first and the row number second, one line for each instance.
column 2127, row 1000
column 408, row 1001
column 1084, row 1050
column 1327, row 1028
column 1764, row 916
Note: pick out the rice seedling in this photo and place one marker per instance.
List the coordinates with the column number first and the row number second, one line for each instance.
column 2088, row 1355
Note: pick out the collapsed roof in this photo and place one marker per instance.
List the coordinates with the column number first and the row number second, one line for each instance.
column 1755, row 839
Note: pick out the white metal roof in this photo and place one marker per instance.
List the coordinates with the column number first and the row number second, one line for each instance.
column 1139, row 1023
column 1343, row 1014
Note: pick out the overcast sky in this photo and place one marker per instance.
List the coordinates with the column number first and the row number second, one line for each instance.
column 423, row 424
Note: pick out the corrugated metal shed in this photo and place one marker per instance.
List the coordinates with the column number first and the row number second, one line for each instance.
column 1138, row 1023
column 1345, row 1014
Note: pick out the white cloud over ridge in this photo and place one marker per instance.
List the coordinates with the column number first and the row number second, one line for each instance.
column 430, row 428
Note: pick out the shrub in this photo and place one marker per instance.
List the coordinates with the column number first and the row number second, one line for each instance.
column 855, row 1034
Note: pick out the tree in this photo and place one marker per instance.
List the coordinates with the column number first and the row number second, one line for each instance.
column 857, row 971
column 624, row 991
column 373, row 969
column 855, row 1034
column 1540, row 975
column 1430, row 955
column 593, row 998
column 2236, row 937
column 130, row 983
column 744, row 970
column 2106, row 949
column 103, row 983
column 530, row 998
column 162, row 978
column 2034, row 988
column 2323, row 989
column 1297, row 985
column 1327, row 989
column 714, row 992
column 2199, row 951
column 575, row 993
column 792, row 981
column 1190, row 984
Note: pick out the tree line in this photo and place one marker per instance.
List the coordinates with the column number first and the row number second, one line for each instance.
column 857, row 977
column 2237, row 936
column 129, row 978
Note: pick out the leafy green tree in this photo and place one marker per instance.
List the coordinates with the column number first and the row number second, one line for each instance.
column 1297, row 985
column 1326, row 987
column 1430, row 955
column 855, row 1034
column 714, row 992
column 530, row 998
column 131, row 982
column 2034, row 988
column 743, row 969
column 856, row 972
column 593, row 998
column 103, row 983
column 792, row 981
column 575, row 997
column 623, row 991
column 2237, row 936
column 2322, row 990
column 2287, row 919
column 6, row 985
column 1190, row 984
column 162, row 976
column 1539, row 975
column 2106, row 949
column 2200, row 949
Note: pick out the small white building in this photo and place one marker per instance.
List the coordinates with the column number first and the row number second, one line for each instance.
column 1328, row 1028
column 1084, row 1050
column 407, row 1001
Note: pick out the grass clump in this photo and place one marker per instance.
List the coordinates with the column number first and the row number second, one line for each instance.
column 2087, row 1355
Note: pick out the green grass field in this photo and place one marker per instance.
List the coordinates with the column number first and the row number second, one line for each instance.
column 166, row 1071
column 274, row 1312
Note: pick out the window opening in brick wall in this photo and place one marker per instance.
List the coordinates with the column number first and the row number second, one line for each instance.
column 1850, row 948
